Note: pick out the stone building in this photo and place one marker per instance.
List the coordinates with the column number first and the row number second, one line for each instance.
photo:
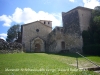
column 38, row 36
column 74, row 22
column 34, row 35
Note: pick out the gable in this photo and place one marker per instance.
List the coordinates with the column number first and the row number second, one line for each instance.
column 35, row 29
column 34, row 23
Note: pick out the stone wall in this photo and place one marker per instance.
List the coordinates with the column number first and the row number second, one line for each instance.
column 73, row 43
column 30, row 31
column 46, row 22
column 71, row 22
column 84, row 18
column 54, row 40
column 74, row 22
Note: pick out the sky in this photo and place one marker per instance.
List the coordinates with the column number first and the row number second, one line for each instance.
column 14, row 12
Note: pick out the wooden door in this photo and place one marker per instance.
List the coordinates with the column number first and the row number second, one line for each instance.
column 37, row 48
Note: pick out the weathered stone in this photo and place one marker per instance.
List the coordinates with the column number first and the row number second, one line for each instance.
column 39, row 37
column 35, row 34
column 74, row 22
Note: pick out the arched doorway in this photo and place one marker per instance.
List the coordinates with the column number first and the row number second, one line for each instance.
column 37, row 48
column 37, row 45
column 63, row 45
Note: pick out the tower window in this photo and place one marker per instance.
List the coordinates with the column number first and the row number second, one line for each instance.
column 61, row 30
column 48, row 22
column 44, row 22
column 58, row 28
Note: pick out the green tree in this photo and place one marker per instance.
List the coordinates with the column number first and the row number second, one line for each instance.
column 91, row 37
column 94, row 30
column 12, row 33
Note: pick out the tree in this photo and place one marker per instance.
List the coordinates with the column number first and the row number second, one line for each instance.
column 91, row 37
column 12, row 33
column 95, row 26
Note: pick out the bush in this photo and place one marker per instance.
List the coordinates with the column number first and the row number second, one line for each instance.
column 3, row 44
column 6, row 47
column 92, row 49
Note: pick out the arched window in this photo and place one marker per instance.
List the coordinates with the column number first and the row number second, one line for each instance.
column 63, row 45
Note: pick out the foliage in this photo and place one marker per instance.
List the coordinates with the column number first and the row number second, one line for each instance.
column 3, row 44
column 11, row 46
column 86, row 37
column 13, row 33
column 92, row 49
column 91, row 37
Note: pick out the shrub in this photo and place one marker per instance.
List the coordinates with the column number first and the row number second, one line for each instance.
column 6, row 47
column 92, row 49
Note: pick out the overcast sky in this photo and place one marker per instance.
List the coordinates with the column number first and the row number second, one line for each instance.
column 25, row 11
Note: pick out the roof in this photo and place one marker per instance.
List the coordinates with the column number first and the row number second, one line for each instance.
column 45, row 20
column 79, row 7
column 35, row 22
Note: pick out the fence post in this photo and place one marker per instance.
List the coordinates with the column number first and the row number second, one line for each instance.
column 77, row 61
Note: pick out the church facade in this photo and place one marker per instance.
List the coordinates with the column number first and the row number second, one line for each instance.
column 38, row 36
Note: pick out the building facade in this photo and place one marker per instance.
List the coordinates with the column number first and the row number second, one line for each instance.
column 38, row 36
column 34, row 35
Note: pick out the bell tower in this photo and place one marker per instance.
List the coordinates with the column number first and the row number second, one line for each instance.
column 46, row 22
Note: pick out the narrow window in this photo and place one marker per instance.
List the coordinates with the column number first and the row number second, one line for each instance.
column 58, row 28
column 61, row 30
column 63, row 45
column 48, row 22
column 44, row 22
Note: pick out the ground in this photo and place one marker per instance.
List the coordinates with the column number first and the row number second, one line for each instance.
column 44, row 64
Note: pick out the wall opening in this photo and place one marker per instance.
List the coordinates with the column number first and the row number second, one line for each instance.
column 37, row 48
column 63, row 45
column 44, row 22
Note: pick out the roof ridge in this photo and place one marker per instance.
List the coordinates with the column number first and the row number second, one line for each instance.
column 36, row 21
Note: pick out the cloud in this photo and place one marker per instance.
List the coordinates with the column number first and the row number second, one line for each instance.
column 27, row 15
column 71, row 0
column 3, row 36
column 91, row 3
column 6, row 19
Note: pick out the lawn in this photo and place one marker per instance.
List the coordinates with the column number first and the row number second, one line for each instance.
column 44, row 64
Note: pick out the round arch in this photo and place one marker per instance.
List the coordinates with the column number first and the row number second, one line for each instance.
column 37, row 45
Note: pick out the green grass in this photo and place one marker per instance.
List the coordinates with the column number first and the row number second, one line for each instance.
column 42, row 64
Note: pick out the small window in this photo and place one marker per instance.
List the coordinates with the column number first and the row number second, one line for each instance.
column 44, row 22
column 63, row 45
column 58, row 28
column 48, row 22
column 37, row 30
column 61, row 30
column 54, row 30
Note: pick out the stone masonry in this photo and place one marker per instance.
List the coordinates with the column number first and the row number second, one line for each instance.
column 38, row 36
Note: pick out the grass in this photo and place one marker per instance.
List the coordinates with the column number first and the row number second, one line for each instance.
column 42, row 64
